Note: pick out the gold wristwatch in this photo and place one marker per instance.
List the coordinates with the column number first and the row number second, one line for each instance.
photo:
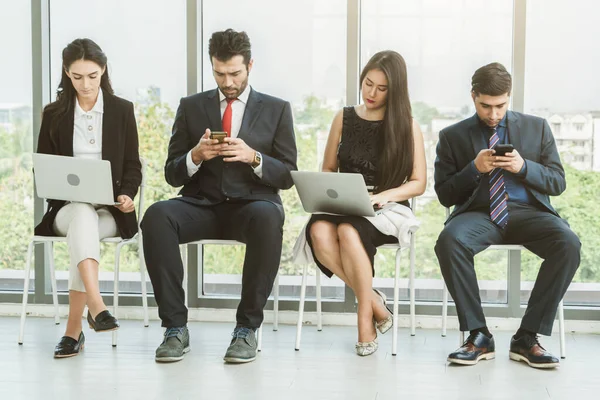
column 257, row 159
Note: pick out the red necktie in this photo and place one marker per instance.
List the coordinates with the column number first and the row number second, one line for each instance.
column 227, row 117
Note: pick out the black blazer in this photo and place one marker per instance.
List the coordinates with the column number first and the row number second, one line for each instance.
column 119, row 146
column 267, row 127
column 460, row 143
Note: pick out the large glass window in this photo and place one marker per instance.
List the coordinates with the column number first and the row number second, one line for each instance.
column 16, row 180
column 562, row 85
column 443, row 43
column 145, row 42
column 299, row 51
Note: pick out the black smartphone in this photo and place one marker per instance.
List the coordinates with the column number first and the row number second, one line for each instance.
column 502, row 149
column 220, row 136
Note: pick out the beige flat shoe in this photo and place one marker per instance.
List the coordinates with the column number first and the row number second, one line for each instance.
column 366, row 348
column 384, row 325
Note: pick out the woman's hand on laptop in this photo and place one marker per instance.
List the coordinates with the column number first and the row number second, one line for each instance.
column 379, row 200
column 127, row 204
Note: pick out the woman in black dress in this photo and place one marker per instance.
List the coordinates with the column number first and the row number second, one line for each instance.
column 380, row 140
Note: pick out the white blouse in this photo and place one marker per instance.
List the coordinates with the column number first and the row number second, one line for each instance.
column 87, row 130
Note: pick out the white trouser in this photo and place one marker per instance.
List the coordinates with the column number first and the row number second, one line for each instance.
column 84, row 226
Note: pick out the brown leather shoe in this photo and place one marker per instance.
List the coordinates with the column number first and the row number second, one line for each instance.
column 527, row 348
column 477, row 347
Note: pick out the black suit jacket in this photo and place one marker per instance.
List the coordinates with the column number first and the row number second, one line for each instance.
column 119, row 146
column 460, row 143
column 267, row 127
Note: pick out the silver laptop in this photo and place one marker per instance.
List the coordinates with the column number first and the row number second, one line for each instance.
column 73, row 179
column 334, row 193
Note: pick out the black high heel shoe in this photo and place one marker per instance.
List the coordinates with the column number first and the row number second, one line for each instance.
column 103, row 322
column 69, row 347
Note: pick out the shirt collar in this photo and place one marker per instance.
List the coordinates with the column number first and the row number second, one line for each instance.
column 98, row 107
column 502, row 122
column 242, row 97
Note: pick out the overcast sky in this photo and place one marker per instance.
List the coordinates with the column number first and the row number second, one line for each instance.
column 299, row 47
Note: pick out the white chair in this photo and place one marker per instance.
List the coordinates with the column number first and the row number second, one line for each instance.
column 399, row 251
column 510, row 248
column 49, row 241
column 201, row 244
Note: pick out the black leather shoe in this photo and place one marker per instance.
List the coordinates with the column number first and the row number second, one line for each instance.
column 477, row 347
column 69, row 347
column 527, row 348
column 104, row 322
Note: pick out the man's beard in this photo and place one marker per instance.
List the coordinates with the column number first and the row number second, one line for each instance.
column 237, row 93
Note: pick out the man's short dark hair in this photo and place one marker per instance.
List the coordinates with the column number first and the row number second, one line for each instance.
column 492, row 80
column 227, row 44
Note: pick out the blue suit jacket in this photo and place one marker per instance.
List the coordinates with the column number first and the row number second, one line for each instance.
column 460, row 143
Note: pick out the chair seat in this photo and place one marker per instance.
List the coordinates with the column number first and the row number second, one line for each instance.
column 394, row 246
column 507, row 247
column 41, row 239
column 44, row 239
column 115, row 239
column 217, row 241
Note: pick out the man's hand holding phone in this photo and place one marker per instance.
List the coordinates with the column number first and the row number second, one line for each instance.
column 207, row 148
column 503, row 156
column 237, row 150
column 509, row 161
column 484, row 161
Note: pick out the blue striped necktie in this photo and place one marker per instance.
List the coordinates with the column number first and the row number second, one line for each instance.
column 498, row 196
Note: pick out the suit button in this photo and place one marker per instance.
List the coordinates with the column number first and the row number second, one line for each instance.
column 118, row 183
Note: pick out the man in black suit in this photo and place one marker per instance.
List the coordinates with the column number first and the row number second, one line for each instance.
column 230, row 191
column 502, row 200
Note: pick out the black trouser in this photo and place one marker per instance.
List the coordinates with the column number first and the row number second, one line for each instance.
column 167, row 224
column 541, row 232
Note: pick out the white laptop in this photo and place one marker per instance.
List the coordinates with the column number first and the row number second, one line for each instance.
column 334, row 193
column 73, row 179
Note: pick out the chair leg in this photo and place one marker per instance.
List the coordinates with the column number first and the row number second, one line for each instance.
column 301, row 307
column 49, row 246
column 116, row 291
column 143, row 278
column 412, row 285
column 319, row 303
column 444, row 310
column 259, row 340
column 276, row 304
column 184, row 259
column 395, row 306
column 561, row 327
column 25, row 290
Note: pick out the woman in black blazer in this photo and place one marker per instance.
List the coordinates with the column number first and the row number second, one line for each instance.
column 88, row 120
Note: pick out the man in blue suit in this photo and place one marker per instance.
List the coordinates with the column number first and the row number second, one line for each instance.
column 502, row 200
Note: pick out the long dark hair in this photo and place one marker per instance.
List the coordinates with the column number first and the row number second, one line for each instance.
column 397, row 153
column 78, row 49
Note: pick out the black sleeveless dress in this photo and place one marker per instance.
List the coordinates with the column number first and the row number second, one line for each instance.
column 358, row 152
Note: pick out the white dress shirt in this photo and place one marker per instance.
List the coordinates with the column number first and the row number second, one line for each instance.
column 237, row 115
column 87, row 130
